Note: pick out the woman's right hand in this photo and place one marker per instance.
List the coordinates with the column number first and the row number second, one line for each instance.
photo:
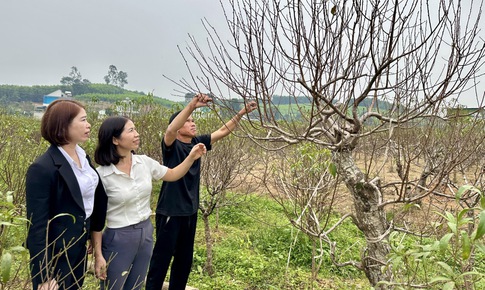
column 197, row 151
column 49, row 285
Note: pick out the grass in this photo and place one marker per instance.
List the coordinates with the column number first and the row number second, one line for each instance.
column 251, row 245
column 251, row 249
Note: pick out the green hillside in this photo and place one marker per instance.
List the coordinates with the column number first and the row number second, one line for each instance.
column 21, row 99
column 16, row 98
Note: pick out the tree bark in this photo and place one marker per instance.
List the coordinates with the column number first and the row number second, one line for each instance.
column 208, row 266
column 368, row 217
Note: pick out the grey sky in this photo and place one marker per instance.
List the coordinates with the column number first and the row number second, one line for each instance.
column 41, row 40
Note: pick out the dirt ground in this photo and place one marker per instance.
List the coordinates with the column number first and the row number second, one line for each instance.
column 420, row 216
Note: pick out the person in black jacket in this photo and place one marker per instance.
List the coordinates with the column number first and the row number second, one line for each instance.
column 65, row 200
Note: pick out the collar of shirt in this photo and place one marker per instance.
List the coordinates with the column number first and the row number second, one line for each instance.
column 111, row 169
column 86, row 178
column 80, row 153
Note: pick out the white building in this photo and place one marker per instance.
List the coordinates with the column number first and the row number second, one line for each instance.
column 47, row 99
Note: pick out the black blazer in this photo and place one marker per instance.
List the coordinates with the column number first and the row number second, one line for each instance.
column 54, row 202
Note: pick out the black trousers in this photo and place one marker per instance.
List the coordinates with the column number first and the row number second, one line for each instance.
column 174, row 238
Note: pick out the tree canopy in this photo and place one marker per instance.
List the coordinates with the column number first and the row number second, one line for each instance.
column 115, row 77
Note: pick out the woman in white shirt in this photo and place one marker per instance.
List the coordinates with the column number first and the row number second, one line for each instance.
column 123, row 251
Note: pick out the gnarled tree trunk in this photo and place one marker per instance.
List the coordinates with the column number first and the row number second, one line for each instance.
column 369, row 217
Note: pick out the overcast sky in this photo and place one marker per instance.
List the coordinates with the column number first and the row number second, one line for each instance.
column 41, row 40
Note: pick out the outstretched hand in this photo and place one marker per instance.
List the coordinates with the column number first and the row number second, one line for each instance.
column 197, row 151
column 250, row 106
column 201, row 100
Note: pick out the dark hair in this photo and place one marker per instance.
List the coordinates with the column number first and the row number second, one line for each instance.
column 173, row 117
column 106, row 153
column 55, row 122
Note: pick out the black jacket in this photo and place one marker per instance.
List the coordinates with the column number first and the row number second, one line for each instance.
column 56, row 211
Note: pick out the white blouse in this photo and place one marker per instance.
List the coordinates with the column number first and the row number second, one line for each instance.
column 86, row 178
column 129, row 195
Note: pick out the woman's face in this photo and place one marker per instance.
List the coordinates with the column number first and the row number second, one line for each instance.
column 129, row 139
column 79, row 129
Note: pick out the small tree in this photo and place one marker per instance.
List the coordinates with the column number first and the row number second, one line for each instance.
column 227, row 167
column 304, row 185
column 74, row 78
column 115, row 77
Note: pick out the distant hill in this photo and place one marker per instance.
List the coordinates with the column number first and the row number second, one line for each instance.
column 289, row 100
column 20, row 98
column 10, row 94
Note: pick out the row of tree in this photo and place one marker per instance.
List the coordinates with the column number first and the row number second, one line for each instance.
column 10, row 94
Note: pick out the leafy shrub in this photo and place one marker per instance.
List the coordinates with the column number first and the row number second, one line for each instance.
column 13, row 256
column 451, row 261
column 20, row 144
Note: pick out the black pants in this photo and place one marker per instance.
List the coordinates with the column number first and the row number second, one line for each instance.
column 174, row 238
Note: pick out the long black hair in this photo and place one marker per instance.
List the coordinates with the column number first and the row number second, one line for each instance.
column 106, row 152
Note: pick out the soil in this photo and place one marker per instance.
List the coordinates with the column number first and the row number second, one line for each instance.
column 420, row 216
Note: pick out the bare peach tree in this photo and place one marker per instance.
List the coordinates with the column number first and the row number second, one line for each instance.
column 330, row 59
column 226, row 168
column 300, row 180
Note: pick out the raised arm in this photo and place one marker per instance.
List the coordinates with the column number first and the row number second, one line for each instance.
column 199, row 100
column 180, row 170
column 227, row 128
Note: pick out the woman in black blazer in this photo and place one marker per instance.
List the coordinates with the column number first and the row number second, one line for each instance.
column 65, row 200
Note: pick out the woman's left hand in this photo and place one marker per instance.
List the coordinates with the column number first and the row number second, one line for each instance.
column 100, row 267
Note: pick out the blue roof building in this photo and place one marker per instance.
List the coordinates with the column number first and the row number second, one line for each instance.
column 54, row 96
